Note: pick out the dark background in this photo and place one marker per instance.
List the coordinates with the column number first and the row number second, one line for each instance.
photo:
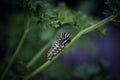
column 107, row 52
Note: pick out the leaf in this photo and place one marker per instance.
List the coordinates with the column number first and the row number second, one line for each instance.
column 114, row 6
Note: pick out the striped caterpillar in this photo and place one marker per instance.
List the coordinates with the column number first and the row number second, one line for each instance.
column 62, row 39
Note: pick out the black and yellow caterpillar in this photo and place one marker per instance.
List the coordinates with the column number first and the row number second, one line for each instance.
column 62, row 40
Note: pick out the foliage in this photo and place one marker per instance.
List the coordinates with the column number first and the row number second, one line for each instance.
column 114, row 6
column 41, row 22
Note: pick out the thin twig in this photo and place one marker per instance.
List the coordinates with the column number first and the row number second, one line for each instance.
column 16, row 51
column 37, row 56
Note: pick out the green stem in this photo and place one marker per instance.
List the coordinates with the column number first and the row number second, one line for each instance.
column 40, row 52
column 89, row 29
column 37, row 56
column 15, row 53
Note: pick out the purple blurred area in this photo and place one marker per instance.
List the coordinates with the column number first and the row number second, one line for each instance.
column 75, row 59
column 108, row 51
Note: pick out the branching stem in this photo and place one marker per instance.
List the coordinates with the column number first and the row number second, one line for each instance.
column 86, row 30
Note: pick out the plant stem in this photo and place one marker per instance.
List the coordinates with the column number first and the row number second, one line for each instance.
column 86, row 30
column 40, row 52
column 16, row 52
column 37, row 56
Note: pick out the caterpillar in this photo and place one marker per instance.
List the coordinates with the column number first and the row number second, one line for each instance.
column 62, row 40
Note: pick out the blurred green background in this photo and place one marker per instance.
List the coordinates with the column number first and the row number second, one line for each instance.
column 91, row 58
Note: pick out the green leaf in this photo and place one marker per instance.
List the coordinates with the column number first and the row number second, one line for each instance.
column 114, row 6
